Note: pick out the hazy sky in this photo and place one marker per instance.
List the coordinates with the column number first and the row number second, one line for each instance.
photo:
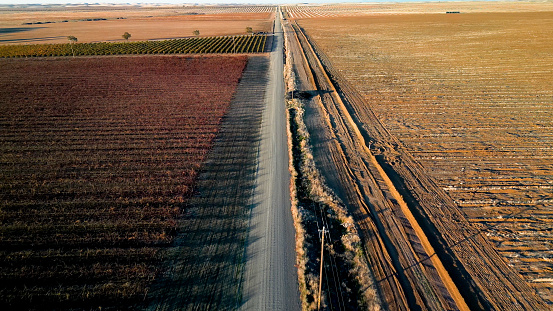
column 196, row 1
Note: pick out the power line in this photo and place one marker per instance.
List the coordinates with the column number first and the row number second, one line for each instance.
column 333, row 269
column 321, row 269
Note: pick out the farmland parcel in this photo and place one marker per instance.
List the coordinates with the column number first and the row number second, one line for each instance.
column 98, row 157
column 94, row 24
column 468, row 95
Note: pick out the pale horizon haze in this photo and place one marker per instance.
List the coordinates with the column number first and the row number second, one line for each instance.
column 5, row 2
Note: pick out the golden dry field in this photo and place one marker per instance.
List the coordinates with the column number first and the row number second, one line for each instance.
column 470, row 96
column 21, row 26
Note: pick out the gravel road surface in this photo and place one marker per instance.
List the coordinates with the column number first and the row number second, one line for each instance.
column 270, row 281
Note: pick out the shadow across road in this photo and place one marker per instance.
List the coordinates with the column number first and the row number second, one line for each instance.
column 204, row 267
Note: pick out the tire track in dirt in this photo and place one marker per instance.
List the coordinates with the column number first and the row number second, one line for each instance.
column 328, row 156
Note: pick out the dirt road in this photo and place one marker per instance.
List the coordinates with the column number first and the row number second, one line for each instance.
column 270, row 281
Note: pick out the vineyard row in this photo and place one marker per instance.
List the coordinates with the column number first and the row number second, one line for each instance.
column 206, row 45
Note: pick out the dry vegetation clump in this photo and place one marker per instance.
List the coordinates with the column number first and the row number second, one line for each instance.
column 345, row 278
column 99, row 157
column 314, row 207
column 469, row 96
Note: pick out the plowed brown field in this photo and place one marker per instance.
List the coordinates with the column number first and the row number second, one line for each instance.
column 470, row 97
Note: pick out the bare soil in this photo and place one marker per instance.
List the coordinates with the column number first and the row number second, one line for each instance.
column 375, row 9
column 468, row 95
column 392, row 238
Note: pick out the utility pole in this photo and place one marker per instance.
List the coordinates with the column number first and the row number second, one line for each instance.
column 321, row 270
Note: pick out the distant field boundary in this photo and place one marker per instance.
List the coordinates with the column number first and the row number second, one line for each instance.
column 204, row 45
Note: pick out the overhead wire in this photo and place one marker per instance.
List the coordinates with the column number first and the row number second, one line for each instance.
column 333, row 265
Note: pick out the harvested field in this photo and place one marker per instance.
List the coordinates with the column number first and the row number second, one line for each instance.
column 203, row 45
column 98, row 159
column 371, row 9
column 469, row 96
column 391, row 238
column 109, row 24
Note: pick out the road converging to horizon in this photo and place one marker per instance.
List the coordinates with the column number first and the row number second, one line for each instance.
column 270, row 277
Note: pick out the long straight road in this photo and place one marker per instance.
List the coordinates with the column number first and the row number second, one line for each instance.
column 270, row 280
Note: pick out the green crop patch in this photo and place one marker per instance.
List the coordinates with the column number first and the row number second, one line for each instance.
column 204, row 45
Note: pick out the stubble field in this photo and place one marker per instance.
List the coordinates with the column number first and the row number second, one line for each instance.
column 98, row 159
column 469, row 95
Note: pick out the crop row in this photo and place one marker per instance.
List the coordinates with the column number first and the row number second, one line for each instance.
column 230, row 9
column 206, row 45
column 99, row 157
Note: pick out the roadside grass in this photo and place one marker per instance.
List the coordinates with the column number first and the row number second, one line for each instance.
column 348, row 282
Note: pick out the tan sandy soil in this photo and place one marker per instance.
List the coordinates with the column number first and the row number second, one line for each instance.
column 470, row 96
column 140, row 23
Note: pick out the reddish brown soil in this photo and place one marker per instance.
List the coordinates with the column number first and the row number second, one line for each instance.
column 469, row 95
column 371, row 9
column 98, row 156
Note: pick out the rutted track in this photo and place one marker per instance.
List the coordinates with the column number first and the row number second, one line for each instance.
column 401, row 254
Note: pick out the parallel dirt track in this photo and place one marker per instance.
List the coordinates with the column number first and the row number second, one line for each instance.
column 399, row 245
column 485, row 281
